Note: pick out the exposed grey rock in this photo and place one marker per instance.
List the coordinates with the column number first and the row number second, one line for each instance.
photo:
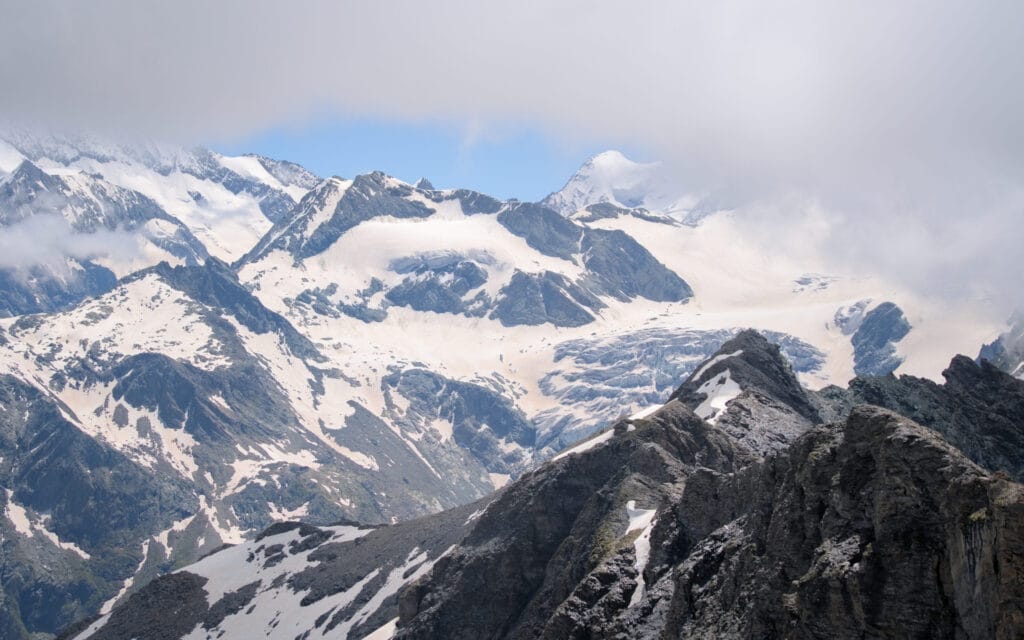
column 42, row 289
column 543, row 229
column 60, row 476
column 620, row 267
column 472, row 202
column 874, row 341
column 441, row 285
column 167, row 609
column 217, row 285
column 553, row 528
column 537, row 298
column 607, row 210
column 481, row 421
column 757, row 365
column 912, row 541
column 296, row 568
column 979, row 409
column 875, row 526
column 288, row 173
column 368, row 196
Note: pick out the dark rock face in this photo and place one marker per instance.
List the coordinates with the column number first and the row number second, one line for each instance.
column 543, row 229
column 368, row 196
column 616, row 264
column 980, row 410
column 606, row 210
column 472, row 202
column 552, row 529
column 440, row 284
column 216, row 284
column 339, row 580
column 39, row 289
column 874, row 342
column 482, row 421
column 536, row 298
column 50, row 467
column 759, row 366
column 875, row 526
column 625, row 270
column 167, row 609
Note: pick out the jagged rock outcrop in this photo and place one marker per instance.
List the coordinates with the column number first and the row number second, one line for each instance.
column 979, row 409
column 875, row 527
column 749, row 391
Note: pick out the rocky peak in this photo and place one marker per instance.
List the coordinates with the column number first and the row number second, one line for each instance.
column 215, row 284
column 27, row 174
column 753, row 365
column 21, row 190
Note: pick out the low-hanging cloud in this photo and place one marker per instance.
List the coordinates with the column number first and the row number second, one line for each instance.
column 47, row 240
column 901, row 120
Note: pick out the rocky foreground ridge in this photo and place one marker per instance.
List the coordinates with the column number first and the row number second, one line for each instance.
column 745, row 507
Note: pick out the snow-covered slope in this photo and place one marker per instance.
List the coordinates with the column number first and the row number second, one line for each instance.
column 296, row 581
column 226, row 202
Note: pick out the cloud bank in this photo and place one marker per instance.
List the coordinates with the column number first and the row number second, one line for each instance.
column 901, row 120
column 48, row 240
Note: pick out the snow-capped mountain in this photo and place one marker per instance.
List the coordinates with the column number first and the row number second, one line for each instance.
column 227, row 202
column 114, row 209
column 687, row 520
column 373, row 351
column 611, row 184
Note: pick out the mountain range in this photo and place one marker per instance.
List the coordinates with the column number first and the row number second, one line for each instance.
column 735, row 510
column 197, row 346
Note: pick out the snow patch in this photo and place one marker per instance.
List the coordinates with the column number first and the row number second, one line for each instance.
column 640, row 520
column 587, row 445
column 719, row 391
column 32, row 527
column 713, row 361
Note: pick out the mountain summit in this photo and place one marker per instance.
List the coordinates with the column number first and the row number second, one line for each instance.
column 612, row 179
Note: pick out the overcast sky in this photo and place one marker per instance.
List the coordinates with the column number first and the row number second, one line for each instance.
column 902, row 121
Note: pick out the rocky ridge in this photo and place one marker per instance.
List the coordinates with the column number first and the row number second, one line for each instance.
column 680, row 524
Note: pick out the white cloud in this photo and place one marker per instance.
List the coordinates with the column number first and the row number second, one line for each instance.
column 902, row 120
column 48, row 240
